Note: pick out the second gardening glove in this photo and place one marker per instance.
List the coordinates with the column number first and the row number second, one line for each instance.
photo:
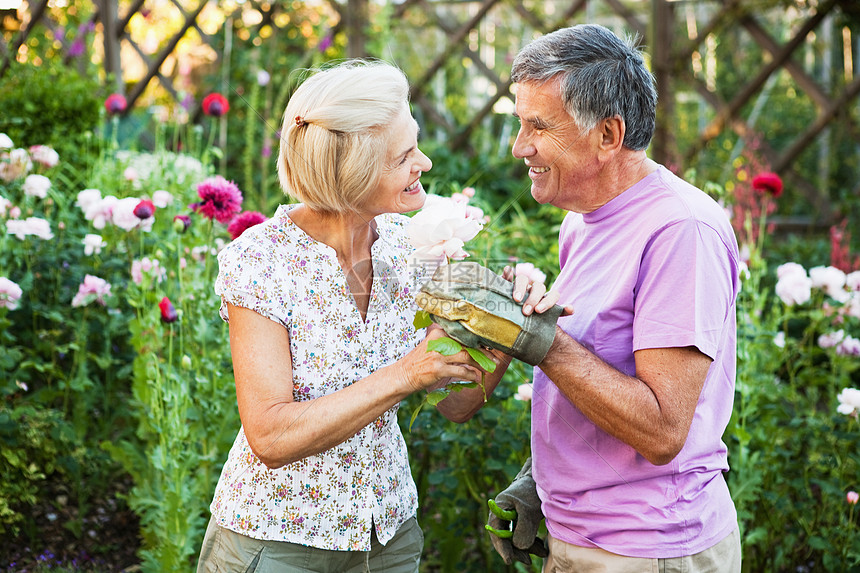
column 518, row 504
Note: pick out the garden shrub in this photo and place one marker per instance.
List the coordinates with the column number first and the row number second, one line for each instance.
column 51, row 105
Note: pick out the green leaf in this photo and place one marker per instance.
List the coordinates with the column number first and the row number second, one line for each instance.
column 445, row 346
column 481, row 359
column 421, row 320
column 437, row 396
column 415, row 413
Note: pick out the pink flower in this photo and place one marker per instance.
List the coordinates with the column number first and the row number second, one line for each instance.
column 221, row 199
column 93, row 289
column 101, row 212
column 35, row 226
column 794, row 287
column 10, row 294
column 532, row 272
column 768, row 183
column 149, row 266
column 36, row 186
column 852, row 497
column 848, row 346
column 123, row 215
column 524, row 393
column 162, row 198
column 130, row 174
column 831, row 280
column 15, row 164
column 168, row 312
column 115, row 103
column 145, row 209
column 93, row 244
column 44, row 155
column 849, row 401
column 831, row 339
column 87, row 198
column 215, row 105
column 243, row 222
column 440, row 230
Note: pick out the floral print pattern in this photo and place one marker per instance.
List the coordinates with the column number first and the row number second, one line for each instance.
column 332, row 499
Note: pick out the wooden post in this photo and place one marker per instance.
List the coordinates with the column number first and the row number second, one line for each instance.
column 108, row 14
column 356, row 16
column 662, row 20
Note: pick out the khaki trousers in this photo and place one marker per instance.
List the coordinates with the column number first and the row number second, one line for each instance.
column 226, row 551
column 724, row 557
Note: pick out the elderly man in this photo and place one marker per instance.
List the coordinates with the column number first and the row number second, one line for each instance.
column 636, row 391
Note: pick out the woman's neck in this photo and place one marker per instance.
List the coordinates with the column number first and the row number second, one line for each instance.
column 349, row 234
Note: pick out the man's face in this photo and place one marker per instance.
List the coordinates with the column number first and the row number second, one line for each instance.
column 561, row 159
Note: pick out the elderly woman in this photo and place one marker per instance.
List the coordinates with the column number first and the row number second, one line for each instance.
column 323, row 345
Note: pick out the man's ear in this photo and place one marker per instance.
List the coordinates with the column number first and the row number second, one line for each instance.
column 612, row 131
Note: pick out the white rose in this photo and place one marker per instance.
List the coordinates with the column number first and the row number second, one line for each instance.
column 440, row 230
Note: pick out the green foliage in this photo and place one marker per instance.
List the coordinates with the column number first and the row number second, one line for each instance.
column 53, row 105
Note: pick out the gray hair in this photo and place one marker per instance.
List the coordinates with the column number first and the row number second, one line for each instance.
column 601, row 76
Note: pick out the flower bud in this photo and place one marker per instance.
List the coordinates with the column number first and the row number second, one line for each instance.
column 181, row 223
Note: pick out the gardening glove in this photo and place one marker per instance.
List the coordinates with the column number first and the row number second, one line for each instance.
column 516, row 515
column 476, row 307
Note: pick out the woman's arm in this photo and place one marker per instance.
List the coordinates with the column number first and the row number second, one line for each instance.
column 281, row 430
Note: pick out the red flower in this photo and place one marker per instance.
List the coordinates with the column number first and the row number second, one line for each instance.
column 221, row 199
column 768, row 183
column 115, row 103
column 215, row 105
column 181, row 223
column 168, row 313
column 244, row 221
column 145, row 209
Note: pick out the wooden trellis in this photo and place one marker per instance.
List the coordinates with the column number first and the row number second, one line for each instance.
column 458, row 26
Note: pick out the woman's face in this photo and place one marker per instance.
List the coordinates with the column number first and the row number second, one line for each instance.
column 399, row 189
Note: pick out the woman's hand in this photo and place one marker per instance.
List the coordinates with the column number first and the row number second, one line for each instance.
column 529, row 280
column 423, row 370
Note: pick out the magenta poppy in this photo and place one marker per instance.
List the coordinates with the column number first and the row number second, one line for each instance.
column 168, row 312
column 221, row 199
column 243, row 222
column 768, row 183
column 145, row 209
column 115, row 103
column 215, row 105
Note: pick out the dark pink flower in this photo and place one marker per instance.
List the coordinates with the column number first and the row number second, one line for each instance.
column 215, row 105
column 181, row 223
column 168, row 312
column 768, row 183
column 115, row 103
column 221, row 199
column 244, row 221
column 145, row 209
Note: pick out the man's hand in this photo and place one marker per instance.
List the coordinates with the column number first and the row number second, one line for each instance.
column 514, row 519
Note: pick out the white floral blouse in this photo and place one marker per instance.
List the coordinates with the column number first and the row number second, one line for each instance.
column 332, row 499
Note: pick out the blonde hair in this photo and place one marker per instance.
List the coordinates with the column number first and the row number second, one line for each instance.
column 334, row 137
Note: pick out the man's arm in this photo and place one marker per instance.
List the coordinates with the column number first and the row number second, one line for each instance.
column 650, row 412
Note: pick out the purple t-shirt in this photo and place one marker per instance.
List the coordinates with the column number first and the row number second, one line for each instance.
column 656, row 267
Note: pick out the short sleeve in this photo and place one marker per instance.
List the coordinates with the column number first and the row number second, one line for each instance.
column 248, row 277
column 686, row 289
